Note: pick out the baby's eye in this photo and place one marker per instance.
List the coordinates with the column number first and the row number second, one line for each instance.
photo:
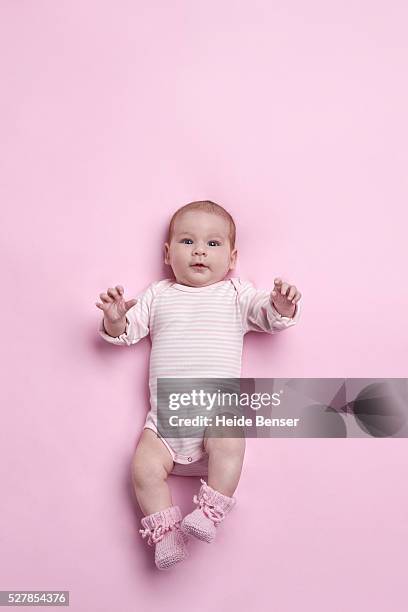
column 184, row 240
column 215, row 242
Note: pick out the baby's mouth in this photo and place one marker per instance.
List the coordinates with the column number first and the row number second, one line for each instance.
column 199, row 265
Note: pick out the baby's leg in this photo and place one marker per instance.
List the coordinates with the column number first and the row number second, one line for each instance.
column 226, row 456
column 151, row 465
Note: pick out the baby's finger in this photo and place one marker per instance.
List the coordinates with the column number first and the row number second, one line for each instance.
column 278, row 282
column 105, row 298
column 130, row 304
column 284, row 288
column 113, row 293
column 292, row 292
column 120, row 289
column 297, row 297
column 99, row 305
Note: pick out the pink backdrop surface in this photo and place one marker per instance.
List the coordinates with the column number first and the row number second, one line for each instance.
column 113, row 114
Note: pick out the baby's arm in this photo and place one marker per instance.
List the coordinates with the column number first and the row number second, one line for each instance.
column 258, row 313
column 114, row 329
column 134, row 325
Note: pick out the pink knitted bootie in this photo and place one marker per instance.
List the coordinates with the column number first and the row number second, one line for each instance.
column 163, row 529
column 213, row 507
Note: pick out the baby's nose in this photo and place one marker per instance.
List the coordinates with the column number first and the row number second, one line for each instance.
column 199, row 249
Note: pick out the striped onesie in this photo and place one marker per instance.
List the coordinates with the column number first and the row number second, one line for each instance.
column 196, row 332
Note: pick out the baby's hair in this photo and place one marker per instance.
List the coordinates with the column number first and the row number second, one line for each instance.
column 207, row 206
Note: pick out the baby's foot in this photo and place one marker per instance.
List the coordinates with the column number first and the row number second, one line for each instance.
column 171, row 549
column 163, row 530
column 213, row 508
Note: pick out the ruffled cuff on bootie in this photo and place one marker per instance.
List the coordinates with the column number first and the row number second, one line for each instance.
column 214, row 504
column 157, row 524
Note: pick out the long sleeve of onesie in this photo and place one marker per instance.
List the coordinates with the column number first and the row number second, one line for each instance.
column 257, row 312
column 137, row 320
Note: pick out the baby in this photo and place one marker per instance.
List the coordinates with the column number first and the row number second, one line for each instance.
column 196, row 324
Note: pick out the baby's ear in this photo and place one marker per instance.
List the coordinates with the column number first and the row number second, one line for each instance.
column 233, row 259
column 166, row 253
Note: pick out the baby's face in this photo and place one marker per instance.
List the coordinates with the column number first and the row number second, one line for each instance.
column 200, row 237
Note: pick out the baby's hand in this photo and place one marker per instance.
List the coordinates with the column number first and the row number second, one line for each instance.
column 114, row 305
column 284, row 304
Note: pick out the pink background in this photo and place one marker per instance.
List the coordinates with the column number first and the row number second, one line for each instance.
column 113, row 114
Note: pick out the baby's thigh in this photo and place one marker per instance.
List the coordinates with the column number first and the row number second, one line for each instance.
column 227, row 438
column 151, row 458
